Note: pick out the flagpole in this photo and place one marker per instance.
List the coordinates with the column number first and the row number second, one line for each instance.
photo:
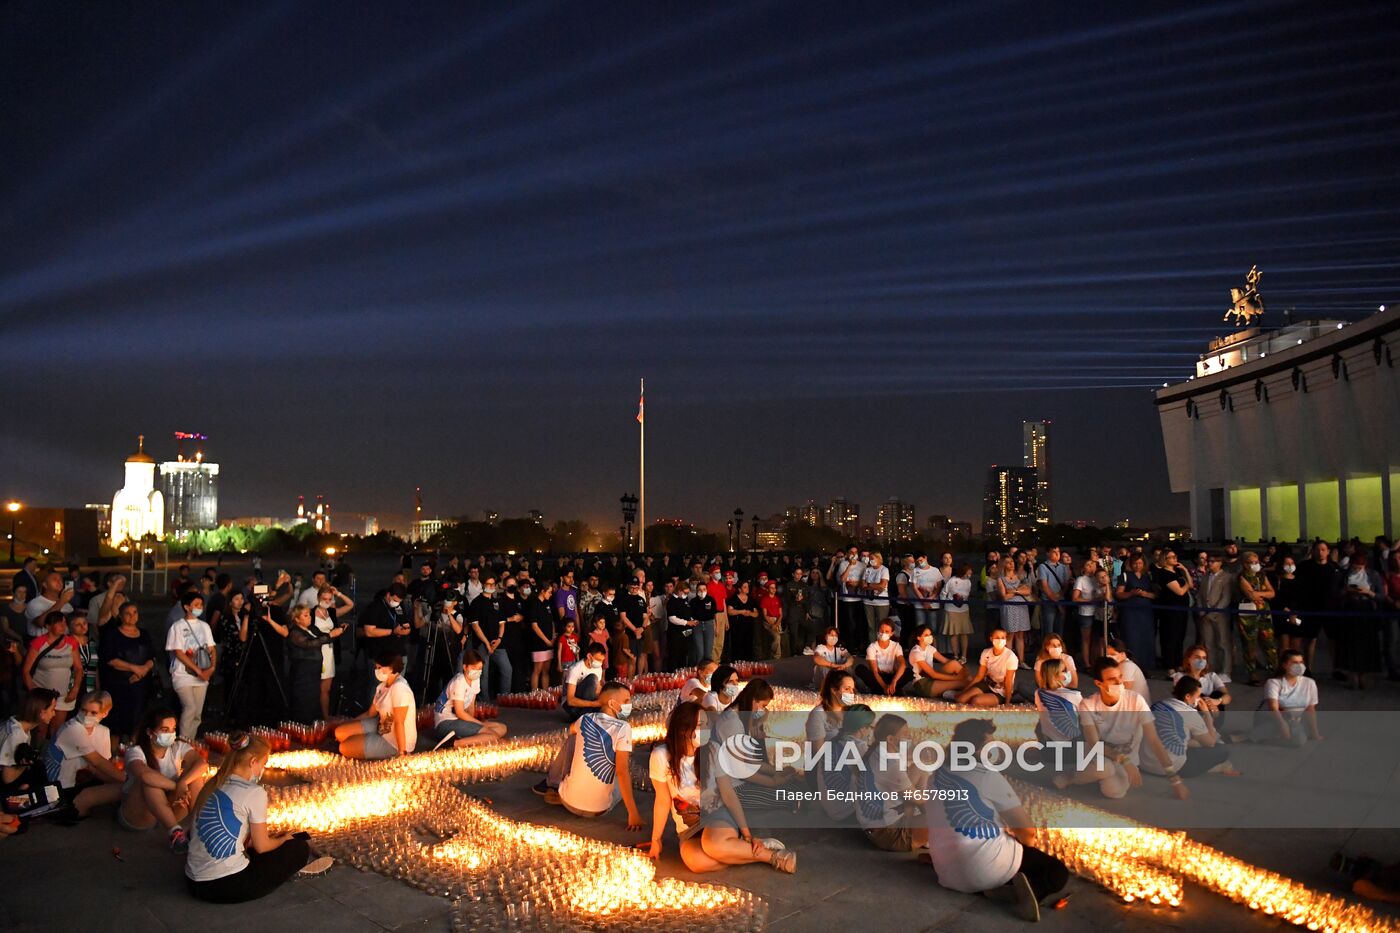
column 642, row 531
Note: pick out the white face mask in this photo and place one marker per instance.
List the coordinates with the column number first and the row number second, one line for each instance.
column 394, row 603
column 594, row 665
column 1112, row 691
column 848, row 699
column 381, row 675
column 624, row 710
column 1054, row 651
column 326, row 603
column 701, row 738
column 884, row 637
column 196, row 613
column 1296, row 669
column 1065, row 678
column 474, row 674
column 832, row 640
column 89, row 719
column 526, row 591
column 731, row 690
column 1255, row 567
column 998, row 642
column 1198, row 664
column 1289, row 568
column 165, row 739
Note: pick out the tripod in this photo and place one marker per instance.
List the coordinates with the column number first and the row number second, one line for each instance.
column 437, row 642
column 240, row 676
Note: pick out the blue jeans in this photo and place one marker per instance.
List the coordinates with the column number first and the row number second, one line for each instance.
column 707, row 638
column 492, row 687
column 585, row 689
column 1052, row 620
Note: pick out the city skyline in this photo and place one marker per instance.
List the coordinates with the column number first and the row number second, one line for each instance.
column 849, row 259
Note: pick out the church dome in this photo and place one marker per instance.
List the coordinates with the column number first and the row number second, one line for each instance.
column 141, row 456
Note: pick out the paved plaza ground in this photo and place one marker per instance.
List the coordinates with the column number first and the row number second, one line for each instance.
column 69, row 877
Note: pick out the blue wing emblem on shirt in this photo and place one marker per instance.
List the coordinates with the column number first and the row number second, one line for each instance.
column 967, row 813
column 441, row 703
column 218, row 825
column 1171, row 727
column 597, row 749
column 53, row 760
column 1063, row 716
column 871, row 806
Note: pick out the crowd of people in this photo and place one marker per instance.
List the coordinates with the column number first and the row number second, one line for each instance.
column 87, row 687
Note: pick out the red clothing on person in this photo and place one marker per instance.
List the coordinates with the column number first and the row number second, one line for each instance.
column 718, row 592
column 771, row 607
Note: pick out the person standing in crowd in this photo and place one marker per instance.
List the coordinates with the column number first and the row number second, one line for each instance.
column 566, row 600
column 981, row 838
column 1052, row 581
column 818, row 611
column 1321, row 584
column 488, row 628
column 330, row 609
column 654, row 635
column 795, row 624
column 516, row 639
column 1135, row 596
column 1014, row 591
column 770, row 608
column 540, row 620
column 1217, row 598
column 390, row 728
column 1173, row 587
column 232, row 857
column 454, row 713
column 53, row 596
column 1288, row 714
column 955, row 592
column 384, row 625
column 632, row 616
column 305, row 645
column 994, row 684
column 53, row 662
column 164, row 774
column 743, row 623
column 875, row 591
column 1358, row 651
column 849, row 608
column 681, row 637
column 702, row 610
column 719, row 592
column 1256, row 628
column 127, row 669
column 1088, row 597
column 903, row 606
column 1288, row 604
column 193, row 659
column 105, row 606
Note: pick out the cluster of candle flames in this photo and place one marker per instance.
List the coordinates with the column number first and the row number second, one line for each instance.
column 408, row 818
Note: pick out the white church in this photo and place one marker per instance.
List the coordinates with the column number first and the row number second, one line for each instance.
column 138, row 509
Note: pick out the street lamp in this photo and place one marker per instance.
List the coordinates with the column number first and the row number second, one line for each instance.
column 629, row 515
column 13, row 507
column 738, row 529
column 755, row 531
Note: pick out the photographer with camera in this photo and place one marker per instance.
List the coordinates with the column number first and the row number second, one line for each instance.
column 193, row 657
column 20, row 770
column 444, row 630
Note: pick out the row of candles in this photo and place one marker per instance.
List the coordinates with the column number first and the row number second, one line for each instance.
column 404, row 817
column 641, row 685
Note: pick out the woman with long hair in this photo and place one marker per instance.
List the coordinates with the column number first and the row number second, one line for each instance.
column 164, row 774
column 700, row 800
column 54, row 662
column 232, row 857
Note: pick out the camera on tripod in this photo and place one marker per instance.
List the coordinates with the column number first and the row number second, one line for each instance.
column 257, row 602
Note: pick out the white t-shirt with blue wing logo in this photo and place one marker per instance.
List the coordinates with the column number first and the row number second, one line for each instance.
column 968, row 841
column 1177, row 724
column 67, row 754
column 462, row 690
column 220, row 830
column 591, row 784
column 1059, row 713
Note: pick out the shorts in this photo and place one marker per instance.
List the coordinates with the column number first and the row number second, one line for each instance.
column 377, row 745
column 957, row 623
column 986, row 686
column 461, row 728
column 542, row 656
column 121, row 821
column 720, row 816
column 892, row 838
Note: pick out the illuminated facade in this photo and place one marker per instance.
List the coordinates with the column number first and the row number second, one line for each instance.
column 1035, row 443
column 895, row 520
column 1292, row 434
column 1009, row 504
column 138, row 508
column 191, row 490
column 844, row 516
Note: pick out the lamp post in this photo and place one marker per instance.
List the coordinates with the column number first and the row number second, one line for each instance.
column 629, row 515
column 730, row 525
column 738, row 529
column 13, row 508
column 754, row 542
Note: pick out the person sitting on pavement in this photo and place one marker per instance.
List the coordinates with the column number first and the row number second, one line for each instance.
column 724, row 688
column 934, row 675
column 590, row 773
column 888, row 804
column 1187, row 731
column 582, row 682
column 885, row 670
column 824, row 721
column 695, row 689
column 1288, row 713
column 994, row 684
column 83, row 744
column 21, row 770
column 700, row 800
column 1215, row 687
column 454, row 713
column 980, row 836
column 232, row 857
column 164, row 774
column 830, row 656
column 390, row 728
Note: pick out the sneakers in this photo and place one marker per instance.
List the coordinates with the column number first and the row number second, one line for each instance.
column 317, row 866
column 541, row 789
column 179, row 841
column 809, row 651
column 1027, row 906
column 769, row 842
column 552, row 798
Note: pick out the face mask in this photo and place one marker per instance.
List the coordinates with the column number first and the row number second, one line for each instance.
column 923, row 563
column 381, row 675
column 1254, row 568
column 884, row 637
column 393, row 603
column 701, row 738
column 1296, row 669
column 624, row 711
column 758, row 714
column 848, row 699
column 89, row 719
column 831, row 640
column 1112, row 691
column 999, row 643
column 256, row 776
column 165, row 739
column 731, row 690
column 714, row 576
column 511, row 589
column 474, row 675
column 1054, row 651
column 1065, row 678
column 325, row 605
column 1198, row 664
column 526, row 591
column 196, row 612
column 1289, row 568
column 490, row 591
column 595, row 665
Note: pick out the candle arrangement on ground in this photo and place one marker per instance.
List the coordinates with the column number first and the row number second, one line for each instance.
column 406, row 818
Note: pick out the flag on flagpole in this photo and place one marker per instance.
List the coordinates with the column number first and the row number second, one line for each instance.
column 641, row 406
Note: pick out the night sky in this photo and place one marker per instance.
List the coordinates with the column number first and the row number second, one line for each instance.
column 371, row 246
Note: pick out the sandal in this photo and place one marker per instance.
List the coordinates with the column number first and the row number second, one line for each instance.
column 783, row 860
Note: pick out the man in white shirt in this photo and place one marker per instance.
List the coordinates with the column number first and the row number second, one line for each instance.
column 591, row 771
column 1121, row 720
column 310, row 595
column 885, row 670
column 875, row 585
column 926, row 582
column 850, row 573
column 583, row 680
column 980, row 836
column 54, row 596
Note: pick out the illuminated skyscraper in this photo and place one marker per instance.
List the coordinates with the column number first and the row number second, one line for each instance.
column 1009, row 504
column 1035, row 443
column 895, row 520
column 844, row 516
